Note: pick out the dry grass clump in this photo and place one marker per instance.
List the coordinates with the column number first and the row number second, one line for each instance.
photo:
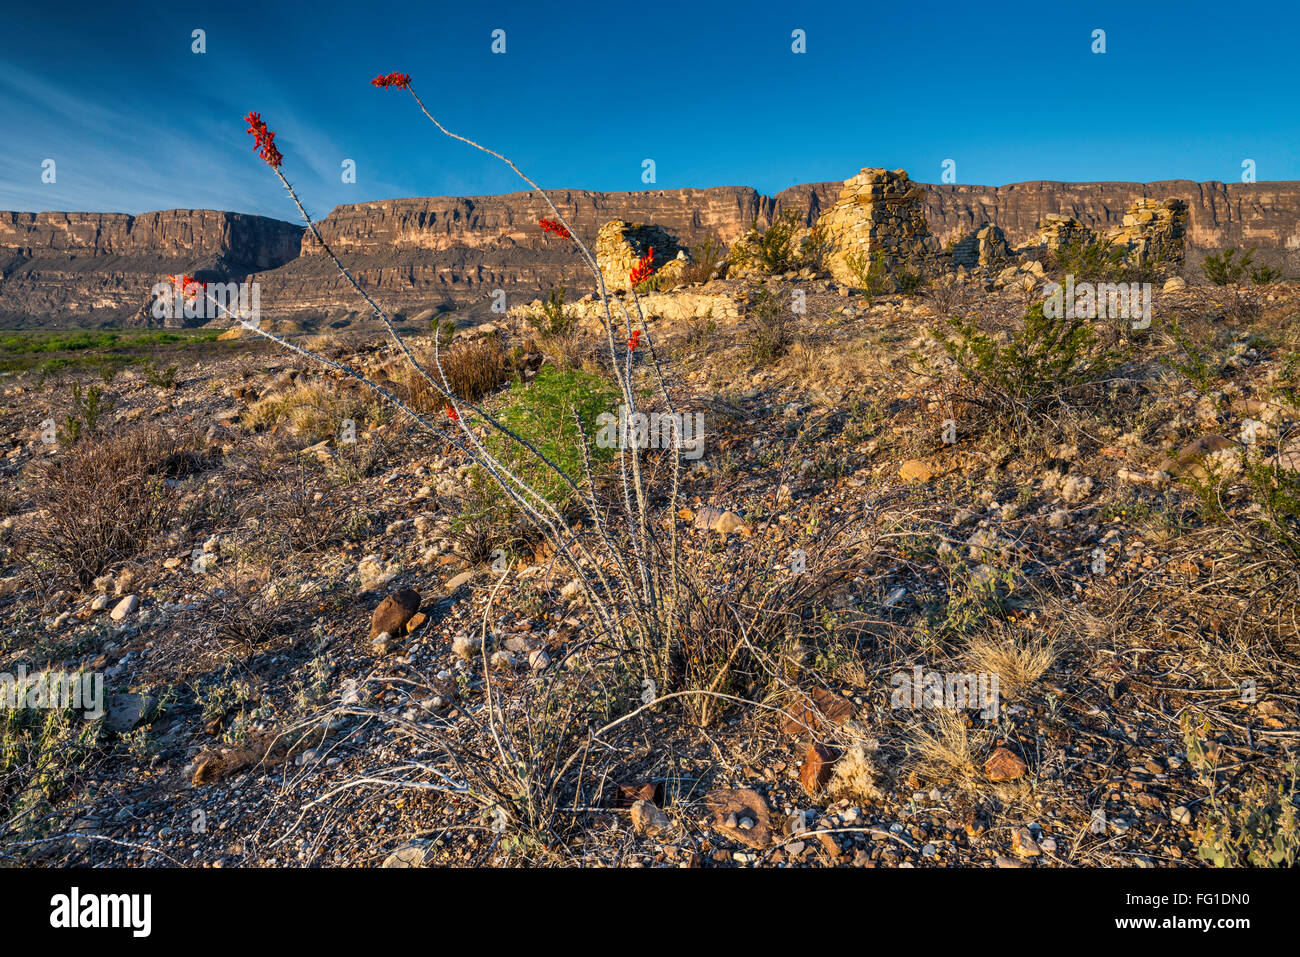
column 99, row 502
column 474, row 368
column 946, row 747
column 856, row 775
column 312, row 411
column 1018, row 664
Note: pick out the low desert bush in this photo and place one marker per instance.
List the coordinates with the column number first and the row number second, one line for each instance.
column 871, row 274
column 1227, row 267
column 546, row 413
column 706, row 259
column 1260, row 828
column 89, row 407
column 42, row 752
column 1046, row 363
column 100, row 502
column 779, row 248
column 312, row 411
column 1100, row 260
column 474, row 369
column 1231, row 266
column 769, row 327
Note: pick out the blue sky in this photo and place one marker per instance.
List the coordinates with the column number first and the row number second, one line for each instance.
column 585, row 92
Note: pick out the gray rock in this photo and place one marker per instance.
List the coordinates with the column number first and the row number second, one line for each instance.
column 650, row 820
column 125, row 711
column 127, row 606
column 416, row 853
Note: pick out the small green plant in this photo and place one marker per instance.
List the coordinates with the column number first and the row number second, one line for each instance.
column 543, row 412
column 1039, row 366
column 774, row 249
column 1263, row 275
column 1100, row 260
column 769, row 327
column 1191, row 362
column 871, row 274
column 161, row 378
column 1261, row 829
column 1277, row 492
column 705, row 260
column 814, row 248
column 552, row 322
column 1090, row 261
column 42, row 751
column 88, row 408
column 1228, row 267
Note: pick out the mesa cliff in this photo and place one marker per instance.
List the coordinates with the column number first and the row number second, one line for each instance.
column 420, row 256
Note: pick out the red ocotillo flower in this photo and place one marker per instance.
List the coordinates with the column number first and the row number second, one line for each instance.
column 263, row 140
column 451, row 413
column 400, row 80
column 643, row 268
column 189, row 287
column 551, row 226
column 632, row 342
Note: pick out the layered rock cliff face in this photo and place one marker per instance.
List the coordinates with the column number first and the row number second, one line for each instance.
column 419, row 256
column 88, row 269
column 444, row 252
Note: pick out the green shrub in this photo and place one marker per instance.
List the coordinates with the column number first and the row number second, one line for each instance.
column 1277, row 492
column 552, row 321
column 88, row 408
column 705, row 260
column 42, row 752
column 1263, row 275
column 871, row 275
column 1101, row 260
column 774, row 250
column 1226, row 269
column 542, row 412
column 161, row 378
column 1042, row 362
column 769, row 328
column 1261, row 829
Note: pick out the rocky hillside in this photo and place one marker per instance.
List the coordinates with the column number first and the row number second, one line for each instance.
column 436, row 254
column 1060, row 634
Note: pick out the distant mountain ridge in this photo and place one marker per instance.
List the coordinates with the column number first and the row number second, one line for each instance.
column 420, row 255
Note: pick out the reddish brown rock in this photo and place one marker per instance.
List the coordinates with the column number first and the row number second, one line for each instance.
column 1003, row 765
column 820, row 710
column 394, row 612
column 818, row 764
column 740, row 814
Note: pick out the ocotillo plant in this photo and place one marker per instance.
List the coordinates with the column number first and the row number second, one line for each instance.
column 627, row 559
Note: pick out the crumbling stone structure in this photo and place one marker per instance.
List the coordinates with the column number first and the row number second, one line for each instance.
column 1154, row 231
column 986, row 246
column 1056, row 230
column 878, row 212
column 620, row 246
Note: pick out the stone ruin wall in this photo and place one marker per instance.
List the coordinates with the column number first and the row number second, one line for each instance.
column 878, row 212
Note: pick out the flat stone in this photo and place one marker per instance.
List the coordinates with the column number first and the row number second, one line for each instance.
column 125, row 711
column 127, row 606
column 416, row 853
column 1003, row 765
column 914, row 470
